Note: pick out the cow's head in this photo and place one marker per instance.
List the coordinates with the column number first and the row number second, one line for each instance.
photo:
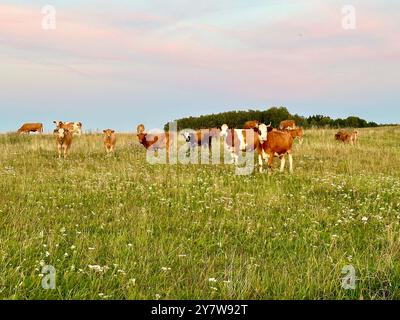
column 61, row 132
column 187, row 135
column 108, row 133
column 58, row 123
column 263, row 130
column 140, row 128
column 224, row 130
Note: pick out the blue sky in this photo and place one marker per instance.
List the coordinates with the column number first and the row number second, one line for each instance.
column 119, row 63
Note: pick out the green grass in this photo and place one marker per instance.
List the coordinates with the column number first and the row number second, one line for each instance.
column 163, row 231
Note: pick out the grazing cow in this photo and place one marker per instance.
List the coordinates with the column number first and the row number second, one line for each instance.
column 287, row 125
column 251, row 124
column 64, row 140
column 347, row 136
column 200, row 138
column 140, row 128
column 156, row 141
column 110, row 140
column 278, row 143
column 235, row 140
column 74, row 127
column 31, row 127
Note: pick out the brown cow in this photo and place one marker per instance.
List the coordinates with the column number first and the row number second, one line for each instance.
column 73, row 127
column 347, row 136
column 235, row 140
column 278, row 143
column 109, row 140
column 251, row 124
column 296, row 133
column 64, row 141
column 31, row 127
column 287, row 124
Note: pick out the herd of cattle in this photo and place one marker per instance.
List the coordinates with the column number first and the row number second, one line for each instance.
column 254, row 136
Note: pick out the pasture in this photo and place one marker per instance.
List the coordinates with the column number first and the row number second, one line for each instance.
column 117, row 227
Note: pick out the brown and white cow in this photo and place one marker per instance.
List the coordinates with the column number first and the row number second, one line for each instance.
column 245, row 140
column 200, row 138
column 156, row 141
column 278, row 143
column 74, row 127
column 31, row 127
column 287, row 125
column 110, row 140
column 347, row 136
column 64, row 141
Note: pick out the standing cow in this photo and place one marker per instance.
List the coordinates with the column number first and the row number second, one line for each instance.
column 155, row 141
column 31, row 127
column 200, row 138
column 109, row 140
column 278, row 143
column 245, row 140
column 64, row 141
column 347, row 136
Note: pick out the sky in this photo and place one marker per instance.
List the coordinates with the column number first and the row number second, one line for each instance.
column 114, row 64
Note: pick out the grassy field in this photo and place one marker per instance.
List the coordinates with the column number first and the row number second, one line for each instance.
column 119, row 228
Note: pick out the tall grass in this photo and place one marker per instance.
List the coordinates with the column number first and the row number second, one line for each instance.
column 199, row 231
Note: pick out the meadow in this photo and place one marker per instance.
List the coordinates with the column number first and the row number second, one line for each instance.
column 119, row 228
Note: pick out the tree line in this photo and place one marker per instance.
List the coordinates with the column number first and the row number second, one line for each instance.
column 274, row 115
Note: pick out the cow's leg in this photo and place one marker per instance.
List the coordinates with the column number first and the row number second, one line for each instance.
column 291, row 162
column 260, row 162
column 59, row 150
column 283, row 162
column 65, row 151
column 270, row 162
column 232, row 151
column 235, row 157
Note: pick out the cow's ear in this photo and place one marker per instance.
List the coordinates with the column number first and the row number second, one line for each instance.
column 112, row 131
column 104, row 131
column 269, row 128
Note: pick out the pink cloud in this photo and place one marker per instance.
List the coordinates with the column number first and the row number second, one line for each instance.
column 292, row 56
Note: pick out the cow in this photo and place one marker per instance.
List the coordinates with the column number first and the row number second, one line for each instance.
column 245, row 140
column 31, row 127
column 200, row 138
column 251, row 124
column 347, row 136
column 278, row 143
column 74, row 127
column 296, row 133
column 64, row 141
column 140, row 128
column 156, row 141
column 109, row 139
column 287, row 124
